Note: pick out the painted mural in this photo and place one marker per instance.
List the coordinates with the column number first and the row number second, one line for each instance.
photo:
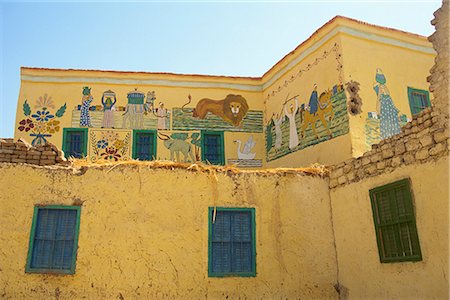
column 245, row 154
column 229, row 114
column 109, row 145
column 323, row 116
column 40, row 122
column 183, row 144
column 386, row 121
column 298, row 126
column 138, row 111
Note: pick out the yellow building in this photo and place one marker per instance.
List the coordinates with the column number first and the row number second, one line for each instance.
column 321, row 103
column 369, row 225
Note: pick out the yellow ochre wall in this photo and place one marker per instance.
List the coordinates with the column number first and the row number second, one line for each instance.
column 402, row 66
column 144, row 233
column 360, row 270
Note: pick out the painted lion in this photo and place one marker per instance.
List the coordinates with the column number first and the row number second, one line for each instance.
column 232, row 109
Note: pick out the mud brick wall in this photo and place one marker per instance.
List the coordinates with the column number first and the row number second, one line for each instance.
column 439, row 73
column 423, row 139
column 22, row 152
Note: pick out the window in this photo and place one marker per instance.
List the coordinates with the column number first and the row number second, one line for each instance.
column 144, row 144
column 418, row 100
column 232, row 250
column 53, row 239
column 395, row 222
column 212, row 148
column 75, row 142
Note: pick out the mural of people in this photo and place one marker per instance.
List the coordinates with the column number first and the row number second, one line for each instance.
column 313, row 101
column 85, row 118
column 387, row 112
column 293, row 136
column 161, row 113
column 277, row 121
column 108, row 103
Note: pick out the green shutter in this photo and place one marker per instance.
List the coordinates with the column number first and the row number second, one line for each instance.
column 213, row 154
column 68, row 145
column 144, row 144
column 231, row 242
column 418, row 100
column 54, row 239
column 395, row 223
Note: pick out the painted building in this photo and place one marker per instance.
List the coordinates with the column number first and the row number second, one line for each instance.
column 373, row 226
column 323, row 102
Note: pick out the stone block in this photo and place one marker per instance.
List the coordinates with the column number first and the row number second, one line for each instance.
column 372, row 169
column 351, row 176
column 365, row 161
column 396, row 161
column 422, row 154
column 347, row 168
column 438, row 149
column 6, row 151
column 375, row 158
column 438, row 136
column 381, row 165
column 408, row 158
column 426, row 140
column 412, row 145
column 18, row 160
column 399, row 148
column 388, row 153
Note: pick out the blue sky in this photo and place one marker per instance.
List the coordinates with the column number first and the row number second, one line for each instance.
column 220, row 38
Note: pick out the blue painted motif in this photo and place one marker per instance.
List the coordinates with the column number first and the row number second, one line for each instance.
column 388, row 113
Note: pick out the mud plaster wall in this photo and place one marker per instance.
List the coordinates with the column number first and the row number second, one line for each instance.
column 360, row 270
column 141, row 237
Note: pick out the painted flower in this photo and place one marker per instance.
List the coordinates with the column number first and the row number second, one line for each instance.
column 40, row 127
column 109, row 135
column 26, row 124
column 119, row 144
column 53, row 126
column 44, row 102
column 111, row 154
column 43, row 115
column 102, row 144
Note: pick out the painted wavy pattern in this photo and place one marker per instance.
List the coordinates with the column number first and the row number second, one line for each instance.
column 183, row 120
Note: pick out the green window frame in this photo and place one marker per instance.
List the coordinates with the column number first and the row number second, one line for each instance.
column 50, row 239
column 236, row 240
column 220, row 160
column 395, row 222
column 66, row 144
column 418, row 100
column 136, row 148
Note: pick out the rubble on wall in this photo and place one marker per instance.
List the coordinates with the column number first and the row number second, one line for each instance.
column 22, row 152
column 423, row 139
column 439, row 78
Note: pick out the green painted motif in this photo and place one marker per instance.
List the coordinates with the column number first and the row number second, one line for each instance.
column 338, row 126
column 183, row 120
column 372, row 128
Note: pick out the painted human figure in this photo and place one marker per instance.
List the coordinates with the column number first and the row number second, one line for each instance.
column 293, row 136
column 85, row 118
column 313, row 101
column 161, row 113
column 387, row 112
column 108, row 103
column 277, row 121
